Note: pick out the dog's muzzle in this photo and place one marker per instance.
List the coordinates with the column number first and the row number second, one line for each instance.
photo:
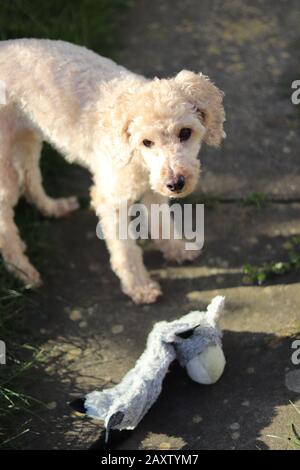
column 176, row 184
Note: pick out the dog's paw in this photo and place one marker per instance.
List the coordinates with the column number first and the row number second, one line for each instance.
column 32, row 278
column 18, row 263
column 63, row 206
column 176, row 251
column 144, row 293
column 25, row 272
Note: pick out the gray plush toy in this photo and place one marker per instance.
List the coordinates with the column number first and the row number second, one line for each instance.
column 194, row 339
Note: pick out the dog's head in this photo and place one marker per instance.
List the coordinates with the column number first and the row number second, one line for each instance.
column 165, row 124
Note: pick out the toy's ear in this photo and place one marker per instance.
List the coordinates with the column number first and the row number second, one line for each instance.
column 207, row 99
column 113, row 421
column 187, row 333
column 178, row 329
column 215, row 309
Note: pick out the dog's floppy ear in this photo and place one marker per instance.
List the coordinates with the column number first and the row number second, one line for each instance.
column 207, row 99
column 118, row 120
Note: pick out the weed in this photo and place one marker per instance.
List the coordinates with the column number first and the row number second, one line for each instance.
column 260, row 274
column 259, row 200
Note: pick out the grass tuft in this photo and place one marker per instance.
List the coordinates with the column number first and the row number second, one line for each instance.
column 260, row 274
column 259, row 200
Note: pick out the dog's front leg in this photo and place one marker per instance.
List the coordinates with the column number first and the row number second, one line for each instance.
column 172, row 248
column 126, row 258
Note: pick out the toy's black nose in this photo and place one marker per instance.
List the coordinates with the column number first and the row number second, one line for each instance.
column 176, row 183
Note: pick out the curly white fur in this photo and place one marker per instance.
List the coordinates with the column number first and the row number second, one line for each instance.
column 97, row 113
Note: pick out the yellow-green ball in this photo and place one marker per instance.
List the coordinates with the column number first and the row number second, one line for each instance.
column 208, row 366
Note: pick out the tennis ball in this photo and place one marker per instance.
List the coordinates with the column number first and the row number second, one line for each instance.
column 208, row 366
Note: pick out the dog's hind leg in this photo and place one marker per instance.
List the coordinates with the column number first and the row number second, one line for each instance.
column 11, row 246
column 27, row 148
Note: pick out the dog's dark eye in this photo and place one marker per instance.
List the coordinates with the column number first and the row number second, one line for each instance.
column 148, row 143
column 185, row 134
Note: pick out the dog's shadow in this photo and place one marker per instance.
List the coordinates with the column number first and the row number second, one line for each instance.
column 230, row 414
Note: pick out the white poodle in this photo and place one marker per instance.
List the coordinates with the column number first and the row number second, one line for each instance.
column 140, row 139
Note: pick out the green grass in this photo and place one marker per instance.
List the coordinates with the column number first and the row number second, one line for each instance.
column 16, row 407
column 259, row 200
column 92, row 23
column 267, row 271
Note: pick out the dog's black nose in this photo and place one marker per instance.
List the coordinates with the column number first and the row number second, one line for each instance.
column 176, row 184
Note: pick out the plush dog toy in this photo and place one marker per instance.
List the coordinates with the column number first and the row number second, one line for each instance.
column 194, row 339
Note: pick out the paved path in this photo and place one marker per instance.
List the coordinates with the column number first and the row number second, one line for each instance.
column 92, row 334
